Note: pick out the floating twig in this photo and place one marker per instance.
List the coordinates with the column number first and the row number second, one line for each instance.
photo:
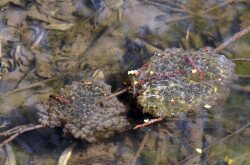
column 148, row 123
column 235, row 37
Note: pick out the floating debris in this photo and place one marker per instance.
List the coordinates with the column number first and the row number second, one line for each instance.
column 176, row 81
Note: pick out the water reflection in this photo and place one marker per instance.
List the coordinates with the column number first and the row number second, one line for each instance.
column 61, row 41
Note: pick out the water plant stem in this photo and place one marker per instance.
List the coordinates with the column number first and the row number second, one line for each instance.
column 235, row 37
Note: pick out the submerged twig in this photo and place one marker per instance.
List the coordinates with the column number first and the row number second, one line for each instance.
column 5, row 123
column 37, row 84
column 12, row 130
column 241, row 59
column 138, row 153
column 241, row 88
column 23, row 78
column 218, row 142
column 243, row 76
column 161, row 147
column 60, row 26
column 19, row 131
column 235, row 37
column 217, row 6
column 116, row 94
column 167, row 7
column 41, row 83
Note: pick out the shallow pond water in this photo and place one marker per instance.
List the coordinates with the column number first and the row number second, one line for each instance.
column 45, row 45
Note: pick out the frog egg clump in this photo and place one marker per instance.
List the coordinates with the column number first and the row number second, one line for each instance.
column 89, row 116
column 176, row 81
column 45, row 118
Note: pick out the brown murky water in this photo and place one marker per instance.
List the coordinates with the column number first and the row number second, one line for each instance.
column 47, row 44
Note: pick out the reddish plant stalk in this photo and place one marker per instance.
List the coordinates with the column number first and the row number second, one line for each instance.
column 192, row 64
column 148, row 123
column 60, row 99
column 159, row 76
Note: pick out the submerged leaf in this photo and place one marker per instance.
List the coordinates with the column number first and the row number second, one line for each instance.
column 9, row 155
column 160, row 18
column 66, row 155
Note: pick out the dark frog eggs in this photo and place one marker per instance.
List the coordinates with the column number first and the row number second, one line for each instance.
column 177, row 80
column 85, row 116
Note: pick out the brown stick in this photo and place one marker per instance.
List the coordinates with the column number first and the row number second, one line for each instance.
column 116, row 94
column 148, row 123
column 29, row 128
column 235, row 37
column 12, row 130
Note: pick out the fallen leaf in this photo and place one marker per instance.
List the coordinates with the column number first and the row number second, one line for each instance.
column 66, row 155
column 9, row 155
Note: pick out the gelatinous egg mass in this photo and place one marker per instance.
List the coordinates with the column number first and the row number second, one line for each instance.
column 89, row 115
column 176, row 80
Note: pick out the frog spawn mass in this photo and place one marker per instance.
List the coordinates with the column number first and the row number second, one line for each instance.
column 171, row 82
column 87, row 115
column 176, row 81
